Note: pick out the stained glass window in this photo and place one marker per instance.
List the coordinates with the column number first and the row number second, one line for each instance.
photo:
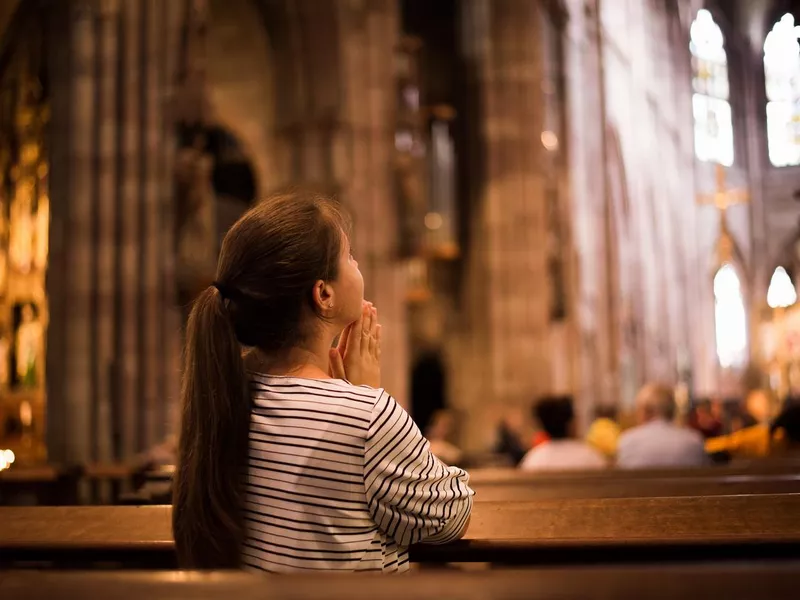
column 713, row 127
column 782, row 71
column 730, row 318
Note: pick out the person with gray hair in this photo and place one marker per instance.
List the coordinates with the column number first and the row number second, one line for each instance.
column 656, row 441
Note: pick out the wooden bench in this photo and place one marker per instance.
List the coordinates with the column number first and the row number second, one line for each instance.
column 45, row 485
column 524, row 487
column 500, row 484
column 547, row 532
column 748, row 468
column 743, row 581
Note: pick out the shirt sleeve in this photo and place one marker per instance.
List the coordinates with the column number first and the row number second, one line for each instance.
column 413, row 497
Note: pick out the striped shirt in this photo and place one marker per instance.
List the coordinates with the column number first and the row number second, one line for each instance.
column 340, row 478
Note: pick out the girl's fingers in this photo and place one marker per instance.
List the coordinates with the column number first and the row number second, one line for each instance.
column 354, row 339
column 366, row 326
column 374, row 341
column 378, row 342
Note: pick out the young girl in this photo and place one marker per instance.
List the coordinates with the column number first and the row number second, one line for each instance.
column 293, row 458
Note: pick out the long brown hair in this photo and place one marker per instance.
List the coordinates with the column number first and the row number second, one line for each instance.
column 269, row 262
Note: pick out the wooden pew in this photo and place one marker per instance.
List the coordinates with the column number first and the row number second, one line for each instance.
column 548, row 532
column 626, row 530
column 80, row 536
column 499, row 484
column 525, row 487
column 743, row 468
column 743, row 581
column 45, row 485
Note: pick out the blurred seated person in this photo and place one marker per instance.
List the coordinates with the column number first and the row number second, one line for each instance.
column 439, row 434
column 510, row 436
column 604, row 431
column 703, row 419
column 754, row 441
column 562, row 451
column 539, row 438
column 786, row 429
column 656, row 441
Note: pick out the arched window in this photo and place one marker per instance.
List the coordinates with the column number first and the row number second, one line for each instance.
column 782, row 71
column 713, row 128
column 730, row 318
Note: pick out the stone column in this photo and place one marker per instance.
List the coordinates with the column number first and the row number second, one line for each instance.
column 128, row 384
column 152, row 253
column 79, row 243
column 170, row 316
column 106, row 224
column 336, row 128
column 59, row 50
column 363, row 157
column 502, row 356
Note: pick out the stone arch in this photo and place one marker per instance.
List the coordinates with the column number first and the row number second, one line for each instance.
column 305, row 40
column 240, row 88
column 788, row 256
column 273, row 79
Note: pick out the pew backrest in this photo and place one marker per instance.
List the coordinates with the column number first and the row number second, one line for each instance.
column 533, row 532
column 743, row 581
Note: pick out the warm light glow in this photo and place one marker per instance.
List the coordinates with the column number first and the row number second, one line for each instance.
column 6, row 459
column 549, row 141
column 781, row 292
column 433, row 221
column 730, row 318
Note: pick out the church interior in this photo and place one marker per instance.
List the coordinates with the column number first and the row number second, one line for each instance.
column 579, row 204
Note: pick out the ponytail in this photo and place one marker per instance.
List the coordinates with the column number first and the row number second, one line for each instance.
column 207, row 520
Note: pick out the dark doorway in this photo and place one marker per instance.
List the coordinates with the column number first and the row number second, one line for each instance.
column 428, row 387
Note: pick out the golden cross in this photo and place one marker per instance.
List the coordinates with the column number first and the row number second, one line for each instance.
column 723, row 198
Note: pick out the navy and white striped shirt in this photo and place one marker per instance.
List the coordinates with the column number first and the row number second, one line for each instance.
column 340, row 478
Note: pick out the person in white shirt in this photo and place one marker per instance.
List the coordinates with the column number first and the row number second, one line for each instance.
column 562, row 451
column 656, row 441
column 291, row 456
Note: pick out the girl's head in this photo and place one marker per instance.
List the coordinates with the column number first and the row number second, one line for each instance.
column 285, row 270
column 285, row 276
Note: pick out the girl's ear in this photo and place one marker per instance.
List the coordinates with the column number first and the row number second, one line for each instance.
column 323, row 295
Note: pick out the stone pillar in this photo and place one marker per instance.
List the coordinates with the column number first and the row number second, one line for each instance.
column 79, row 247
column 502, row 356
column 59, row 57
column 170, row 321
column 106, row 223
column 127, row 390
column 152, row 253
column 336, row 129
column 363, row 157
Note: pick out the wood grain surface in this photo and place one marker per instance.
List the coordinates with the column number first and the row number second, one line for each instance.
column 743, row 581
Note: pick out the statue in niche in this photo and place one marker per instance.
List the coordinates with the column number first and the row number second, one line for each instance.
column 30, row 119
column 41, row 233
column 28, row 345
column 21, row 225
column 196, row 220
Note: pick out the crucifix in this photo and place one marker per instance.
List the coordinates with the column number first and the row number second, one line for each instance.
column 723, row 198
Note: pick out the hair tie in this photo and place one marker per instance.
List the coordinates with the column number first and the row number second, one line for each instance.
column 222, row 289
